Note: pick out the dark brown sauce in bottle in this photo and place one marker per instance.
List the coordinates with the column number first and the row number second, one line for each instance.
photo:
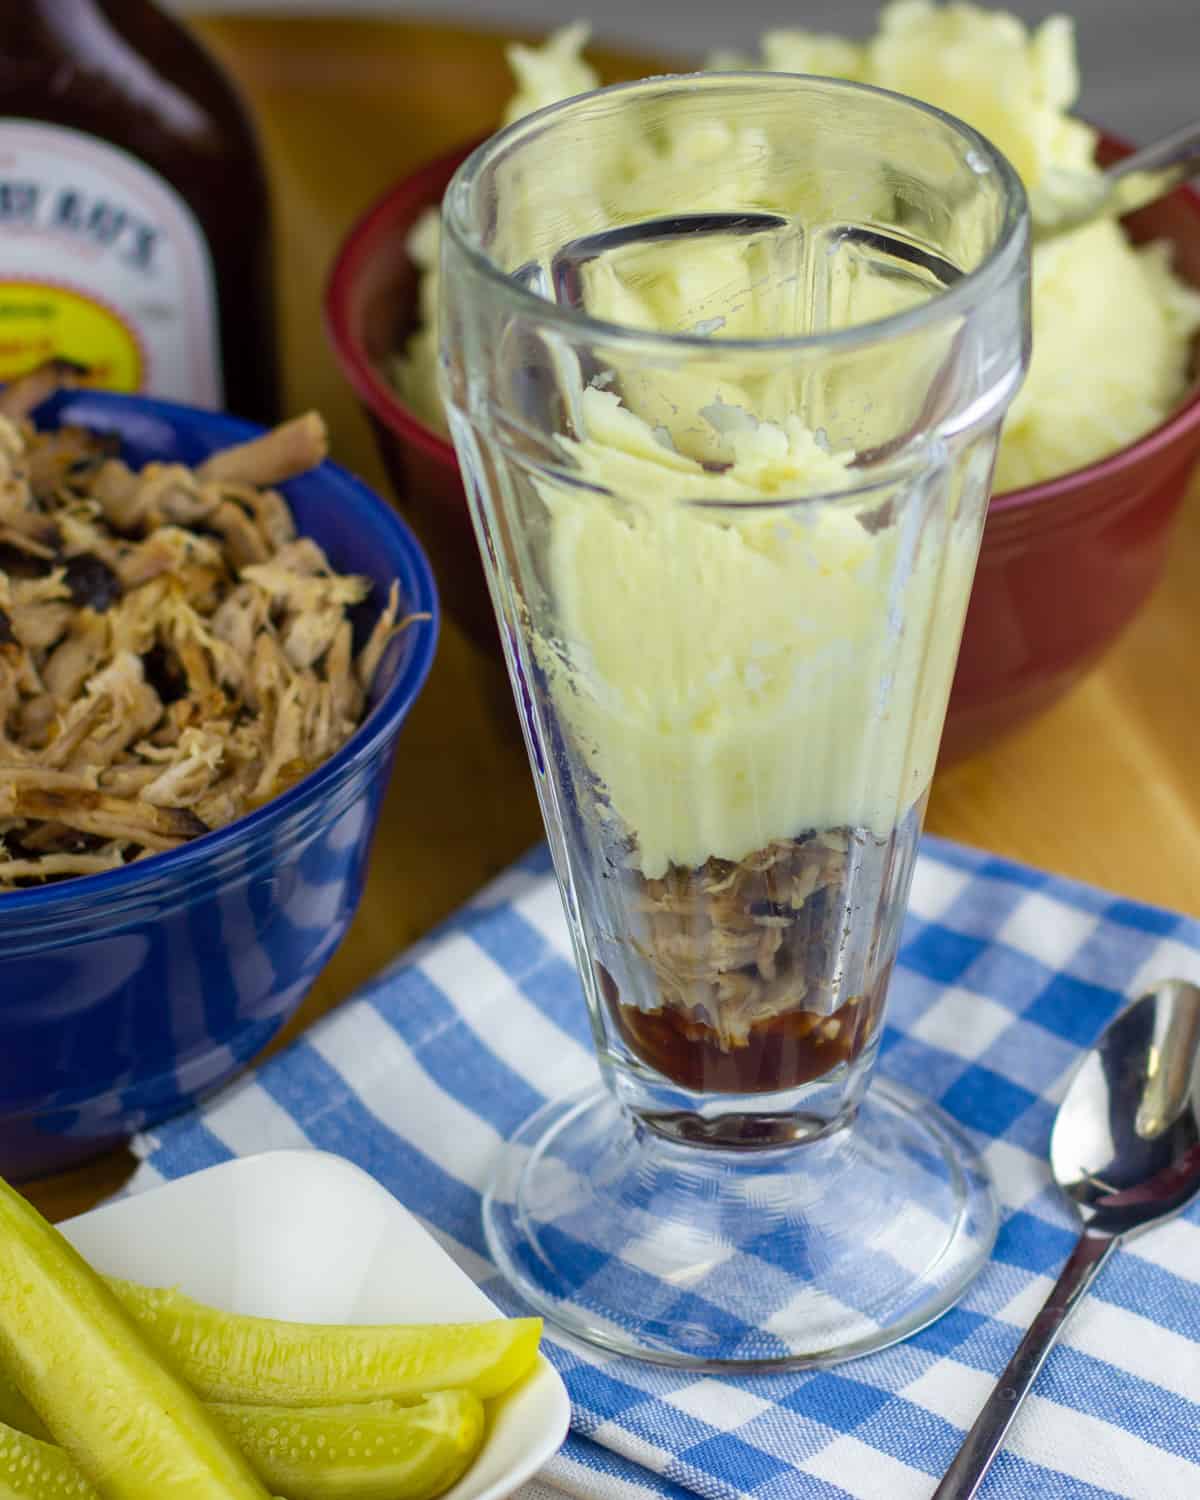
column 155, row 271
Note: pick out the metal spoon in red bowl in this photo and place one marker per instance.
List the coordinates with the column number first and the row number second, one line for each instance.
column 1070, row 200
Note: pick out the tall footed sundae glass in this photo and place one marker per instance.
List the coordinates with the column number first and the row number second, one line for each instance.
column 725, row 360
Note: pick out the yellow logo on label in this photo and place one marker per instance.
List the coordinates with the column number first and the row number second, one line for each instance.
column 40, row 322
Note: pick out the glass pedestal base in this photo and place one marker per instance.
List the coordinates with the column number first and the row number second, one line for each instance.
column 741, row 1260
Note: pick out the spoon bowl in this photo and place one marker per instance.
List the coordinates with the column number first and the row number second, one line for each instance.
column 1126, row 1141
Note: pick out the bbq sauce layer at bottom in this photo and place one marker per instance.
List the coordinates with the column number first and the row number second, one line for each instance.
column 782, row 1053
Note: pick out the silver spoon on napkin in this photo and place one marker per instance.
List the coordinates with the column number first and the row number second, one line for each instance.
column 1071, row 199
column 1126, row 1149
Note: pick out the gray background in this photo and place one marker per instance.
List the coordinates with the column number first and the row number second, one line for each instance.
column 1140, row 58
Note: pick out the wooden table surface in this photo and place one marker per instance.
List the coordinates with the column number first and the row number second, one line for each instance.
column 1105, row 787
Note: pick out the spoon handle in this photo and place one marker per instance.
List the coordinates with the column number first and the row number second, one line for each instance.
column 1179, row 152
column 982, row 1443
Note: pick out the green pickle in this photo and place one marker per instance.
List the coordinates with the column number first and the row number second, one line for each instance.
column 264, row 1362
column 33, row 1470
column 129, row 1423
column 103, row 1385
column 16, row 1412
column 373, row 1451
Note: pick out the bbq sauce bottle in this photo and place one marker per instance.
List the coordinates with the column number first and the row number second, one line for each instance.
column 134, row 234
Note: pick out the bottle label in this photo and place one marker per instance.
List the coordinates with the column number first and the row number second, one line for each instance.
column 103, row 262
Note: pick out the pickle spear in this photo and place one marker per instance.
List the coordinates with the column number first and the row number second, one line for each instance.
column 374, row 1451
column 264, row 1362
column 16, row 1412
column 132, row 1427
column 33, row 1470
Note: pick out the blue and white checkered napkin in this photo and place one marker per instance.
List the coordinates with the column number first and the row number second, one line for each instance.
column 1005, row 974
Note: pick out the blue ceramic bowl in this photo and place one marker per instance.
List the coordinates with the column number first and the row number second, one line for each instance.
column 124, row 996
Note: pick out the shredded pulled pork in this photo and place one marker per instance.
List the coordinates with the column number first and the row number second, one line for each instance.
column 723, row 940
column 172, row 654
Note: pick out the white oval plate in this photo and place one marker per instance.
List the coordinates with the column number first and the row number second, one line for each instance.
column 309, row 1236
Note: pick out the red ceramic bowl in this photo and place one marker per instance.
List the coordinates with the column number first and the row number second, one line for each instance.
column 1064, row 567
